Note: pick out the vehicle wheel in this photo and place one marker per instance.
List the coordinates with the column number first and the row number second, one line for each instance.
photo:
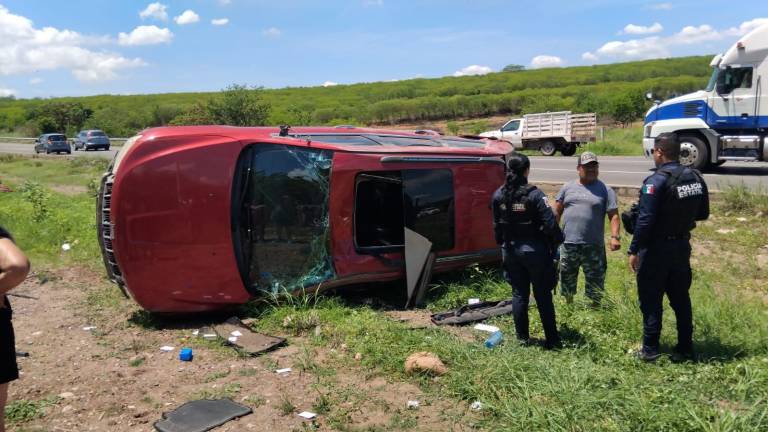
column 568, row 149
column 69, row 152
column 548, row 148
column 47, row 152
column 693, row 152
column 106, row 148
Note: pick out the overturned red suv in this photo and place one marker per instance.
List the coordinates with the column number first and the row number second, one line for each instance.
column 202, row 218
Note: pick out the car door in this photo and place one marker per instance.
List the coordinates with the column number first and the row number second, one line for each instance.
column 511, row 132
column 733, row 105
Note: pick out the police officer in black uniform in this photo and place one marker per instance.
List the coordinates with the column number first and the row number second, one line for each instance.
column 526, row 229
column 671, row 200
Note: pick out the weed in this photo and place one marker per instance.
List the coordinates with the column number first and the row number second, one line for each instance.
column 742, row 199
column 215, row 376
column 286, row 406
column 34, row 193
column 216, row 392
column 323, row 404
column 138, row 361
column 21, row 411
column 247, row 372
column 254, row 401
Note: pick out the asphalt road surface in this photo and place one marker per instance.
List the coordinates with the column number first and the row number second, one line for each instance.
column 614, row 170
column 632, row 170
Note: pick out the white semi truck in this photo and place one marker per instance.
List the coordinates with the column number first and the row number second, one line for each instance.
column 726, row 121
column 548, row 132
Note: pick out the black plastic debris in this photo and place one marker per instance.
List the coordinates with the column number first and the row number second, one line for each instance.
column 245, row 339
column 473, row 312
column 201, row 415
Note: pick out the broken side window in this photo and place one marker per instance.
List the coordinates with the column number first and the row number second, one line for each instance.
column 387, row 201
column 281, row 220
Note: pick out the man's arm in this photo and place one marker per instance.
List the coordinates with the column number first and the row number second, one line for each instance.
column 548, row 221
column 14, row 265
column 647, row 209
column 557, row 209
column 615, row 221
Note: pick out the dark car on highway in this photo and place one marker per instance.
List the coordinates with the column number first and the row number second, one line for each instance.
column 52, row 143
column 93, row 139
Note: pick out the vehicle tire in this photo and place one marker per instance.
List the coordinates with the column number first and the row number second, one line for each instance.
column 693, row 152
column 69, row 152
column 569, row 149
column 47, row 152
column 548, row 148
column 106, row 148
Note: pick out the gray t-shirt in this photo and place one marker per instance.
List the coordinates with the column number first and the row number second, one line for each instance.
column 584, row 209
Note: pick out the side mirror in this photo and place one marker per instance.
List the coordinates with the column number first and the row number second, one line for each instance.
column 721, row 88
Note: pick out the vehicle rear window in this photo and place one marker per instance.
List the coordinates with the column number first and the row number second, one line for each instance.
column 96, row 133
column 57, row 138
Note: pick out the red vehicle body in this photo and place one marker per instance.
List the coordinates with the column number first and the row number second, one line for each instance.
column 202, row 218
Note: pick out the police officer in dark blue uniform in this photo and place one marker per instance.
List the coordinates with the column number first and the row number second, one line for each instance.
column 526, row 229
column 671, row 200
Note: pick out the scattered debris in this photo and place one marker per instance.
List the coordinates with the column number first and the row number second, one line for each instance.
column 473, row 312
column 241, row 336
column 66, row 395
column 726, row 231
column 195, row 332
column 201, row 415
column 425, row 362
column 358, row 356
column 476, row 406
column 741, row 219
column 283, row 371
column 307, row 415
column 473, row 301
column 89, row 328
column 65, row 247
column 22, row 354
column 486, row 328
column 185, row 354
column 413, row 404
column 166, row 348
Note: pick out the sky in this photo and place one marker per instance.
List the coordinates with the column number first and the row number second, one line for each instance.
column 51, row 48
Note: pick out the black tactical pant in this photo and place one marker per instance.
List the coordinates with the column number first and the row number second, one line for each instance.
column 529, row 264
column 665, row 268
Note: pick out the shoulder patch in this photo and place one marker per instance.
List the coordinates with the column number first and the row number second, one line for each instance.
column 649, row 188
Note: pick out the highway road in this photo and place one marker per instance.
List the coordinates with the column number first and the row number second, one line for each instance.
column 631, row 170
column 614, row 170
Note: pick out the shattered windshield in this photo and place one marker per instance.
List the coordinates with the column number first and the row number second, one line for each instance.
column 281, row 223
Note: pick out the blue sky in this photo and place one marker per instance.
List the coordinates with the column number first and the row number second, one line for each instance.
column 86, row 47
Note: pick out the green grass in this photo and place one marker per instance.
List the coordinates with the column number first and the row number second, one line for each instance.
column 618, row 142
column 20, row 411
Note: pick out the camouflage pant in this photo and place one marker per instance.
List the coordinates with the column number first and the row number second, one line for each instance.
column 589, row 256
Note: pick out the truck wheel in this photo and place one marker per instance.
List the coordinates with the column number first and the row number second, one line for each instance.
column 548, row 148
column 568, row 149
column 693, row 152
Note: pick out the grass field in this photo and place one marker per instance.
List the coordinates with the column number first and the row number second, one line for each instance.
column 593, row 383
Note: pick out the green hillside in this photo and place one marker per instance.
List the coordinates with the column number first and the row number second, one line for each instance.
column 614, row 90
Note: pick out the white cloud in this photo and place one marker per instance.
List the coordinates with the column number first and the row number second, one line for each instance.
column 225, row 2
column 330, row 84
column 638, row 29
column 693, row 34
column 187, row 17
column 220, row 21
column 746, row 27
column 588, row 56
column 145, row 35
column 35, row 81
column 473, row 70
column 25, row 49
column 665, row 46
column 661, row 6
column 272, row 32
column 545, row 61
column 156, row 11
column 6, row 92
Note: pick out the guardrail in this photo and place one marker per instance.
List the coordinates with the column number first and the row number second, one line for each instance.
column 22, row 140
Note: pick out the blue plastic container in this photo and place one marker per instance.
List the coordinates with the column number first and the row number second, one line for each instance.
column 185, row 354
column 494, row 340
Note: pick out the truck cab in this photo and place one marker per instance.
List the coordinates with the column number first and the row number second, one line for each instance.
column 511, row 131
column 728, row 120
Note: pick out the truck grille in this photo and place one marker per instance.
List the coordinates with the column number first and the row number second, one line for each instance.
column 105, row 231
column 692, row 109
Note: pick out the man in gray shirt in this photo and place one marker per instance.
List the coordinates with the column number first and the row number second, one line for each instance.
column 583, row 204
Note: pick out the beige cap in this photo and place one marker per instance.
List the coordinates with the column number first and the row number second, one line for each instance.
column 587, row 157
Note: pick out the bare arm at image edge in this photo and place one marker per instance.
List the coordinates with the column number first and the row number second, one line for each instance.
column 14, row 266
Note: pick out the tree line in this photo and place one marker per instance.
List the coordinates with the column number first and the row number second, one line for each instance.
column 614, row 92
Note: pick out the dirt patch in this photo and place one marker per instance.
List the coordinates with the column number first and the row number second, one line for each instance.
column 115, row 377
column 420, row 318
column 69, row 189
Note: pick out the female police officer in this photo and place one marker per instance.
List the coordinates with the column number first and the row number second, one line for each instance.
column 525, row 227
